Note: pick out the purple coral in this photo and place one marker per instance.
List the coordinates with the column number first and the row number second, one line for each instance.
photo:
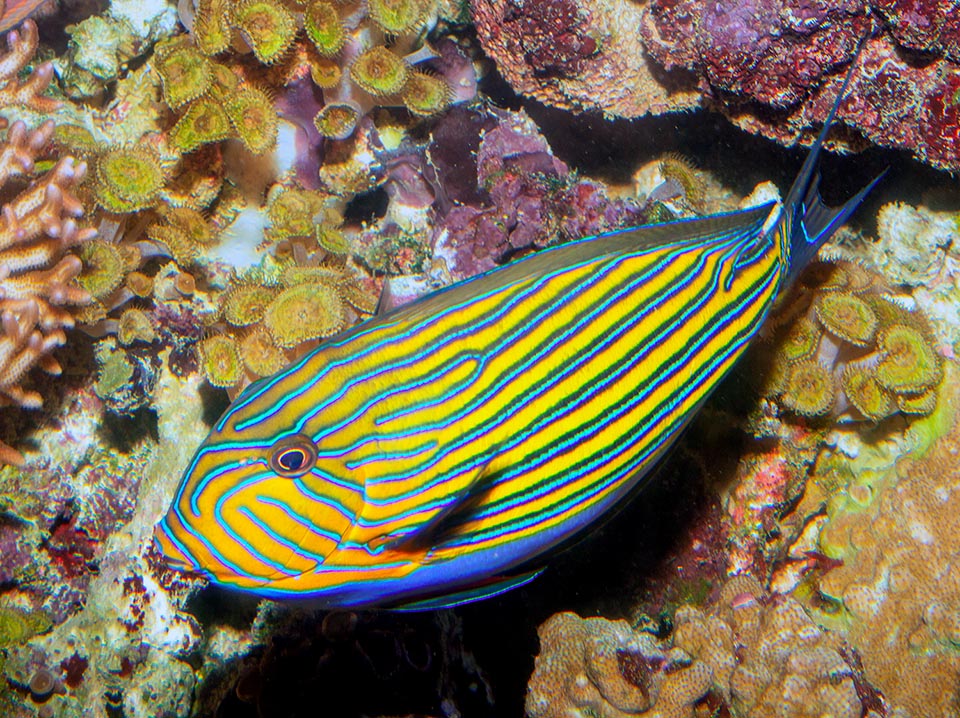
column 514, row 196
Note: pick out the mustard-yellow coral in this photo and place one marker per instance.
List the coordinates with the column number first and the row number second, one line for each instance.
column 853, row 349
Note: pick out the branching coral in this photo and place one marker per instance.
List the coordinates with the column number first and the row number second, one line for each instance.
column 37, row 229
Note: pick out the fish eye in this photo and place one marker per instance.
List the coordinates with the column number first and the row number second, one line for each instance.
column 293, row 456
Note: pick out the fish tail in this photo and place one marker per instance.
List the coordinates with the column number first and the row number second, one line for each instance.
column 806, row 221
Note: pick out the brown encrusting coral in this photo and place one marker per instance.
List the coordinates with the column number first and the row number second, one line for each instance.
column 38, row 229
column 748, row 655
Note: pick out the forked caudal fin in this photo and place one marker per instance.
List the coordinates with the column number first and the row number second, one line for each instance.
column 808, row 221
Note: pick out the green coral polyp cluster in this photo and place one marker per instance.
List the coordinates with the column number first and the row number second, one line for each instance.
column 852, row 351
column 346, row 54
column 266, row 322
column 214, row 103
column 129, row 179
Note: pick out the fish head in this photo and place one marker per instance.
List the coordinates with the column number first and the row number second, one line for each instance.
column 254, row 508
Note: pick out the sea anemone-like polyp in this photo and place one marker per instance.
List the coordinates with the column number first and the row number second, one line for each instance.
column 304, row 312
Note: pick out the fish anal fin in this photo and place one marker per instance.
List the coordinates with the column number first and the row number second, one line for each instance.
column 488, row 589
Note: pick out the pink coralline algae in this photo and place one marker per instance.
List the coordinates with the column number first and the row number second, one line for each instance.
column 774, row 68
column 522, row 197
column 787, row 60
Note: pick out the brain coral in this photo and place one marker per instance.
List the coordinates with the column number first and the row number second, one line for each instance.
column 749, row 655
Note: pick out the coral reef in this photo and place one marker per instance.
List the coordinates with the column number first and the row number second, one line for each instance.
column 595, row 667
column 39, row 230
column 117, row 641
column 795, row 54
column 579, row 55
column 891, row 536
column 262, row 175
column 522, row 197
column 852, row 350
column 748, row 655
column 773, row 69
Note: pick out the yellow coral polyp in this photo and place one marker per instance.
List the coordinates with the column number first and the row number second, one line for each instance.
column 324, row 27
column 332, row 239
column 183, row 250
column 380, row 72
column 204, row 121
column 865, row 393
column 129, row 178
column 808, row 389
column 919, row 404
column 75, row 138
column 260, row 355
column 192, row 223
column 220, row 361
column 103, row 268
column 802, row 341
column 908, row 364
column 678, row 168
column 135, row 325
column 140, row 284
column 244, row 305
column 294, row 275
column 185, row 72
column 337, row 120
column 425, row 95
column 292, row 212
column 211, row 26
column 253, row 118
column 396, row 17
column 304, row 312
column 267, row 27
column 847, row 317
column 325, row 73
column 329, row 232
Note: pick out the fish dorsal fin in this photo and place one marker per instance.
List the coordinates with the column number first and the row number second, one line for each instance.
column 689, row 231
column 476, row 593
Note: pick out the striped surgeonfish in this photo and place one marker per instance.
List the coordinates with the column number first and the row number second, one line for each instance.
column 431, row 455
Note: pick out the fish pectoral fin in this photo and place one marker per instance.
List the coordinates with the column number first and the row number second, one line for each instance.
column 488, row 589
column 421, row 527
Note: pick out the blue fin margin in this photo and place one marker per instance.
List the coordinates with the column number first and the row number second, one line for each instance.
column 477, row 593
column 812, row 222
